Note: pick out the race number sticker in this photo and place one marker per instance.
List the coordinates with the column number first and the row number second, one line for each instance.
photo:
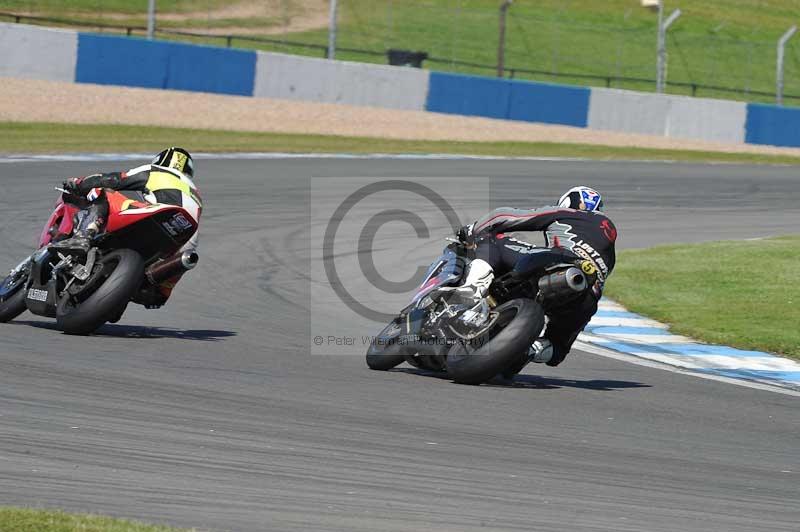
column 588, row 267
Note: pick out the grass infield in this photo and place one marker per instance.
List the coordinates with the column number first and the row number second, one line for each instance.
column 30, row 520
column 743, row 294
column 31, row 138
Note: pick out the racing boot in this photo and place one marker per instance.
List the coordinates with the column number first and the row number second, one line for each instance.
column 541, row 351
column 79, row 243
column 88, row 226
column 478, row 279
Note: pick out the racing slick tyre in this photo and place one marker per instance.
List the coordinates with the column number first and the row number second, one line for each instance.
column 12, row 298
column 513, row 370
column 518, row 324
column 105, row 294
column 12, row 306
column 384, row 351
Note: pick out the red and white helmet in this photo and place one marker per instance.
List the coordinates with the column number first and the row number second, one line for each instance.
column 582, row 199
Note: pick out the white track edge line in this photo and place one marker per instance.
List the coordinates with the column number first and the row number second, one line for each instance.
column 90, row 157
column 99, row 157
column 623, row 357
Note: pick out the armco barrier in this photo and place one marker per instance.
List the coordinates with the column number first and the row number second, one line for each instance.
column 306, row 78
column 665, row 115
column 508, row 99
column 773, row 125
column 137, row 62
column 38, row 53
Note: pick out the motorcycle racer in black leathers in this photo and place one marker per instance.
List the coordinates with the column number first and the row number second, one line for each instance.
column 574, row 229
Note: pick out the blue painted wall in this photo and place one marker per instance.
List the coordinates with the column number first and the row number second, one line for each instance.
column 110, row 60
column 770, row 124
column 127, row 61
column 467, row 95
column 508, row 99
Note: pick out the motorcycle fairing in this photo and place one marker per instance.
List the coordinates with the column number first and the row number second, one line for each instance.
column 152, row 231
column 124, row 211
column 59, row 223
column 39, row 284
column 446, row 270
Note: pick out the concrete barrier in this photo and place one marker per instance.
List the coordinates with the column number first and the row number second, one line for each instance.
column 130, row 61
column 38, row 53
column 294, row 77
column 62, row 55
column 665, row 115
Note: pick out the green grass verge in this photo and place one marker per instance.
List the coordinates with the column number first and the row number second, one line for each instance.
column 715, row 42
column 728, row 43
column 744, row 294
column 29, row 520
column 66, row 7
column 18, row 137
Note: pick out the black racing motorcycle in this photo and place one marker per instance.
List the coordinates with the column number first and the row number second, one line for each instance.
column 476, row 341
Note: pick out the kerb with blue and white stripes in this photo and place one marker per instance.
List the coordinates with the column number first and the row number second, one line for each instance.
column 613, row 327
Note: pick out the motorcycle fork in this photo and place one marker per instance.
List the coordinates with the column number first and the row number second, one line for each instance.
column 76, row 272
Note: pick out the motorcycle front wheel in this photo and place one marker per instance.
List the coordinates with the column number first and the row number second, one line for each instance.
column 12, row 297
column 105, row 294
column 384, row 351
column 518, row 324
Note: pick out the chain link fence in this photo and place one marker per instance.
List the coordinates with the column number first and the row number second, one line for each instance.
column 565, row 42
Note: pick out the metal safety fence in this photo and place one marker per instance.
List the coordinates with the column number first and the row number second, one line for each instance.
column 563, row 42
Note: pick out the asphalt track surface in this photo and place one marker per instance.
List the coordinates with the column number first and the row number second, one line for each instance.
column 213, row 414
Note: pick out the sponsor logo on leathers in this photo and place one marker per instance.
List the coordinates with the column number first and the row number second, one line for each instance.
column 561, row 235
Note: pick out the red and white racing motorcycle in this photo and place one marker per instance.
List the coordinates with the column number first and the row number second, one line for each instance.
column 138, row 249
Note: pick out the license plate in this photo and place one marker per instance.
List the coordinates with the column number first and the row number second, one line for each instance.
column 37, row 295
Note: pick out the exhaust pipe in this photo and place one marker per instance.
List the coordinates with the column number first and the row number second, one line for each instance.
column 175, row 265
column 562, row 285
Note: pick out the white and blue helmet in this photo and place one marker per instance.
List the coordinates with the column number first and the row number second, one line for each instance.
column 582, row 199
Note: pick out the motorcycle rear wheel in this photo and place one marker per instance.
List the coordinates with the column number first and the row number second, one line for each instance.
column 384, row 353
column 123, row 270
column 479, row 360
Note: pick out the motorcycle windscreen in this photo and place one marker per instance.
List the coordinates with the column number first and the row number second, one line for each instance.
column 445, row 270
column 59, row 223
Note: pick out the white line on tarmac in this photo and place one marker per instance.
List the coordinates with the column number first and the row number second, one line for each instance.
column 616, row 355
column 100, row 157
column 88, row 157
